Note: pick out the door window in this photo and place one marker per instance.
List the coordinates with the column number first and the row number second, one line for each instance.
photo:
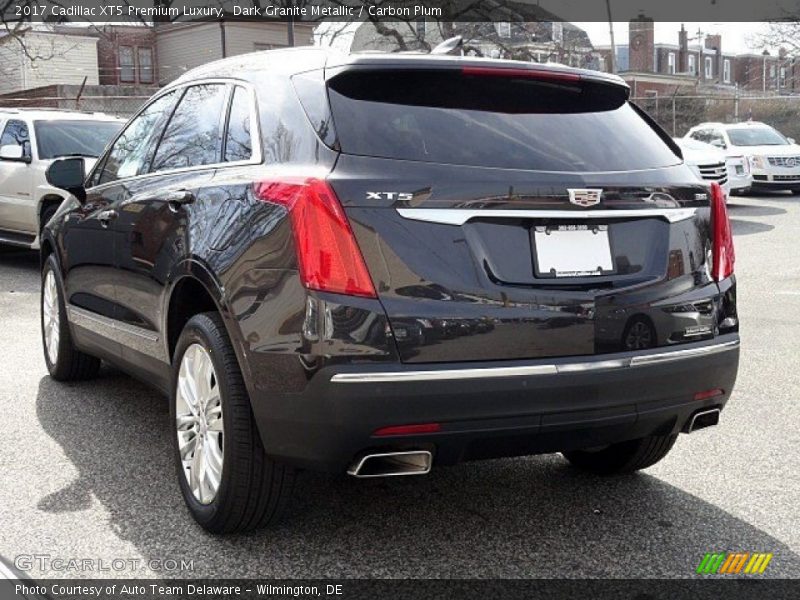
column 132, row 150
column 15, row 133
column 193, row 135
column 238, row 140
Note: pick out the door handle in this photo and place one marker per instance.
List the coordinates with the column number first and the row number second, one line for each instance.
column 104, row 216
column 179, row 197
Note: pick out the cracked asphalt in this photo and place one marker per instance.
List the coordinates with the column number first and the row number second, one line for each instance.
column 87, row 472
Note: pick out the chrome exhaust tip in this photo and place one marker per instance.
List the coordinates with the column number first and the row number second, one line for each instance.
column 702, row 419
column 392, row 464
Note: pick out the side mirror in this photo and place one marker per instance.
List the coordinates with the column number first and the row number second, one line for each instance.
column 13, row 152
column 68, row 174
column 718, row 144
column 791, row 140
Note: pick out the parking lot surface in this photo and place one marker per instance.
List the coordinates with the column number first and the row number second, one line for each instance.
column 87, row 471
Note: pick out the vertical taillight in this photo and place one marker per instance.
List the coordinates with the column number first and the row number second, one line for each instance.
column 722, row 243
column 327, row 253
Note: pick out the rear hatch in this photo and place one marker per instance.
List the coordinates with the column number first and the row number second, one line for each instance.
column 518, row 213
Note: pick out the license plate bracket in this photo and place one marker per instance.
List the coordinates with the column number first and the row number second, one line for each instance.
column 561, row 251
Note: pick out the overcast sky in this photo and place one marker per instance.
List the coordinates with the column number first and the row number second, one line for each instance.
column 736, row 37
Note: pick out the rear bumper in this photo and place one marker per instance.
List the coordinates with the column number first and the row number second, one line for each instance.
column 496, row 409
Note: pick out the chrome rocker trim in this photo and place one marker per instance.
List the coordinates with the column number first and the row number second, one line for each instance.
column 524, row 371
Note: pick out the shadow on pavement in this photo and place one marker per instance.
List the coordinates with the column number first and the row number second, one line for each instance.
column 743, row 227
column 752, row 210
column 530, row 517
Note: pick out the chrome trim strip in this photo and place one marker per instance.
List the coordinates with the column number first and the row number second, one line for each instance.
column 75, row 313
column 459, row 216
column 649, row 359
column 524, row 371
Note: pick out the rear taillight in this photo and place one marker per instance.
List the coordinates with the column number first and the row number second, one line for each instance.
column 327, row 253
column 722, row 244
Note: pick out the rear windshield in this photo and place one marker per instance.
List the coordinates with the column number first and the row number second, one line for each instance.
column 73, row 138
column 490, row 121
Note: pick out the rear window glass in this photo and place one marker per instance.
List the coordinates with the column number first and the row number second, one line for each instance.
column 491, row 121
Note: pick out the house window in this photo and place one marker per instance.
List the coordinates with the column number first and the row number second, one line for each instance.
column 558, row 32
column 127, row 67
column 601, row 63
column 503, row 29
column 671, row 63
column 726, row 70
column 145, row 56
column 772, row 73
column 782, row 80
column 709, row 67
column 692, row 64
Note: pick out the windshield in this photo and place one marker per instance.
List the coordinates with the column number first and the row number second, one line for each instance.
column 73, row 138
column 756, row 136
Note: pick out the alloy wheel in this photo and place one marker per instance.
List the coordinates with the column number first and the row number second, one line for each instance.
column 198, row 416
column 50, row 317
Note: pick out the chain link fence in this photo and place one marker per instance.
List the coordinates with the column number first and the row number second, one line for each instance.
column 676, row 114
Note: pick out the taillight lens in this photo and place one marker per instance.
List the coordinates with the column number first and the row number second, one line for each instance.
column 327, row 253
column 722, row 248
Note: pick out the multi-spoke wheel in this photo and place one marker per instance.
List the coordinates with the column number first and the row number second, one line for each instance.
column 639, row 335
column 228, row 482
column 199, row 423
column 64, row 361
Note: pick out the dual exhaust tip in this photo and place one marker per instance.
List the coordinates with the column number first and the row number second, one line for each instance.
column 419, row 462
column 392, row 464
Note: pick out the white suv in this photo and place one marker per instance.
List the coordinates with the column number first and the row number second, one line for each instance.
column 31, row 139
column 770, row 160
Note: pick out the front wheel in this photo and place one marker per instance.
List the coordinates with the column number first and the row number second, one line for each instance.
column 64, row 361
column 227, row 481
column 623, row 457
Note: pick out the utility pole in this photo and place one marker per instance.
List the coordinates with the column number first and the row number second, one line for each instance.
column 611, row 34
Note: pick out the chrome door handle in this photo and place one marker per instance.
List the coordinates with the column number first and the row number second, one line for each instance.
column 104, row 216
column 179, row 197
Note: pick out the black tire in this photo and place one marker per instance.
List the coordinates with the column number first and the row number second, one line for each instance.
column 47, row 214
column 624, row 457
column 70, row 364
column 254, row 490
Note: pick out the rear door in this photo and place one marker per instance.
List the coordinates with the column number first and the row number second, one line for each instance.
column 505, row 215
column 17, row 209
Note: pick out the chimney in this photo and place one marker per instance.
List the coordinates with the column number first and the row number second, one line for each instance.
column 683, row 50
column 641, row 39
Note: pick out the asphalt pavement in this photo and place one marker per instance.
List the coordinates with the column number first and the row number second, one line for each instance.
column 87, row 472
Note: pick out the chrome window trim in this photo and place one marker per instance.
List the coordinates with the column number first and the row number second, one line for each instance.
column 531, row 370
column 459, row 216
column 255, row 133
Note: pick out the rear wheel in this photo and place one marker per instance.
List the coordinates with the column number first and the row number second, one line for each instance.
column 64, row 361
column 227, row 481
column 623, row 457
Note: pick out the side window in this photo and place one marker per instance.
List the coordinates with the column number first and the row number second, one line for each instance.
column 238, row 141
column 192, row 137
column 701, row 135
column 15, row 133
column 716, row 139
column 132, row 151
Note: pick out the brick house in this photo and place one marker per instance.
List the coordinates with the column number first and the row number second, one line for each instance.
column 126, row 55
column 662, row 68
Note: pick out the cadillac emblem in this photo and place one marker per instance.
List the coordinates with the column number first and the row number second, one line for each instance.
column 584, row 198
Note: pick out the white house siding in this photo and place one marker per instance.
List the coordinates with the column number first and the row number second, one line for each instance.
column 49, row 59
column 183, row 47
